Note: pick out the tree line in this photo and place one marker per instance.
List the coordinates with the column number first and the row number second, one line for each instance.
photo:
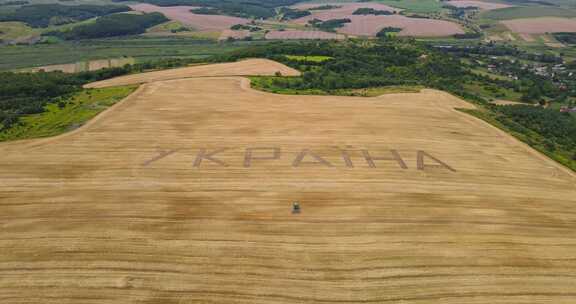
column 238, row 8
column 14, row 3
column 112, row 25
column 371, row 11
column 289, row 13
column 44, row 15
column 566, row 38
column 559, row 129
column 329, row 25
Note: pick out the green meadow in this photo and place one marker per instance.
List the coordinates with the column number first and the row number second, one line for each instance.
column 528, row 12
column 142, row 49
column 67, row 114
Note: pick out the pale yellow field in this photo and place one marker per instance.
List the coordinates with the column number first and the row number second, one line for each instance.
column 240, row 68
column 127, row 209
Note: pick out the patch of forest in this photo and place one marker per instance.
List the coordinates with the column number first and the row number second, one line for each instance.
column 28, row 93
column 44, row 15
column 558, row 128
column 14, row 3
column 111, row 26
column 23, row 94
column 387, row 31
column 289, row 13
column 566, row 38
column 67, row 113
column 238, row 8
column 329, row 25
column 206, row 11
column 324, row 7
column 371, row 11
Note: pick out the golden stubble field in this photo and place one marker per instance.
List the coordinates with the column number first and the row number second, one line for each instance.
column 182, row 193
column 247, row 67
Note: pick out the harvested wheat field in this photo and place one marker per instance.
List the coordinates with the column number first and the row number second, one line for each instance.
column 240, row 68
column 541, row 25
column 197, row 21
column 182, row 193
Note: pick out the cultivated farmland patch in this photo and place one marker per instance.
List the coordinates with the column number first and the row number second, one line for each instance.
column 479, row 4
column 371, row 25
column 197, row 21
column 344, row 10
column 541, row 25
column 523, row 12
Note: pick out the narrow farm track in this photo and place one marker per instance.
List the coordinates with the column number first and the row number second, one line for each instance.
column 182, row 193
